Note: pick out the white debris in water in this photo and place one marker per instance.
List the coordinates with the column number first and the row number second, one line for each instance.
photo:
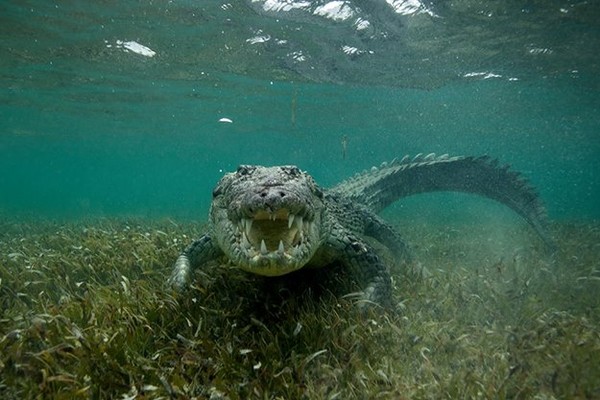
column 482, row 75
column 539, row 50
column 361, row 24
column 226, row 120
column 353, row 51
column 297, row 56
column 349, row 50
column 409, row 7
column 335, row 10
column 283, row 5
column 258, row 39
column 489, row 75
column 133, row 47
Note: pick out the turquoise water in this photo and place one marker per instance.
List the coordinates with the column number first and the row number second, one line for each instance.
column 87, row 128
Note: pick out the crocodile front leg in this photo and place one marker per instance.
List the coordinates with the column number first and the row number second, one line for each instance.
column 196, row 254
column 377, row 228
column 364, row 263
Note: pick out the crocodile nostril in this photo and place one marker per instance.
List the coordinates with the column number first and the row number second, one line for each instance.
column 272, row 196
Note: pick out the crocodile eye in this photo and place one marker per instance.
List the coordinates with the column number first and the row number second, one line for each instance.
column 293, row 170
column 318, row 192
column 245, row 169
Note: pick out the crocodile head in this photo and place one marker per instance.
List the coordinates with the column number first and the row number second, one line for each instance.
column 267, row 220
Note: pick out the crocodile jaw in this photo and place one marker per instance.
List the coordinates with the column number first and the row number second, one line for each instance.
column 269, row 243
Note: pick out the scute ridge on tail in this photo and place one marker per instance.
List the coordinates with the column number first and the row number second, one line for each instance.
column 482, row 175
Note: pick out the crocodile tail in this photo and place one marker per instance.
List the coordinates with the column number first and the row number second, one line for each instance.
column 382, row 186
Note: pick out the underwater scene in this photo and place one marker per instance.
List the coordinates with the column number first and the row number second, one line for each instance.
column 427, row 225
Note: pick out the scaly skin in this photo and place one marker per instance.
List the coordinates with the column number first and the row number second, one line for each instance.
column 275, row 220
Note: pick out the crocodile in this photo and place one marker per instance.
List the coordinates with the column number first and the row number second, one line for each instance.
column 272, row 221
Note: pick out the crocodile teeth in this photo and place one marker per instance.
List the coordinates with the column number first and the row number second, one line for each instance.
column 263, row 247
column 298, row 238
column 245, row 241
column 255, row 233
column 295, row 220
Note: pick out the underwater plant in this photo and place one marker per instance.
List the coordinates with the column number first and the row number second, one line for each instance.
column 85, row 314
